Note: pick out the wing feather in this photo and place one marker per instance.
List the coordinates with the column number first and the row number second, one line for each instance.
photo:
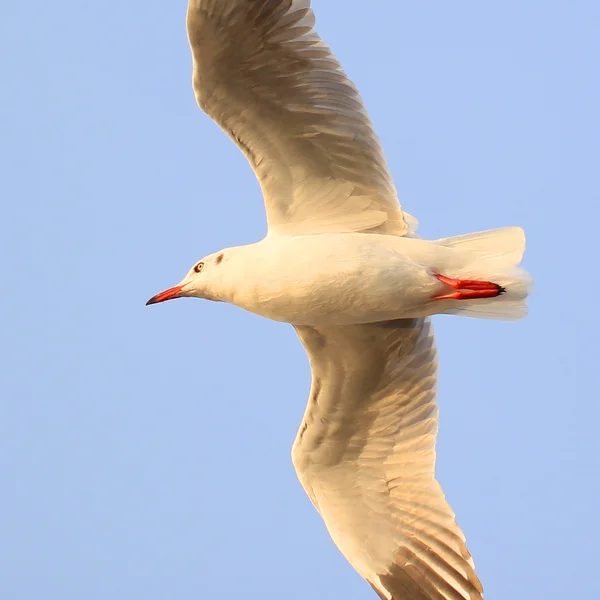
column 263, row 74
column 365, row 454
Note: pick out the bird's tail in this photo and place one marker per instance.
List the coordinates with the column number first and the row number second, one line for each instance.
column 491, row 256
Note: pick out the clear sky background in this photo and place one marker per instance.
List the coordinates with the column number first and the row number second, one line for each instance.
column 145, row 452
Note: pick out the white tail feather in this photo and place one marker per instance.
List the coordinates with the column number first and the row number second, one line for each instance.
column 492, row 255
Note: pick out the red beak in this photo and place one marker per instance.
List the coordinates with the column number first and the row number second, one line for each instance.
column 166, row 295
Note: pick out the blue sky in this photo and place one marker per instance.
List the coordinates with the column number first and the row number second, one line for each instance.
column 144, row 452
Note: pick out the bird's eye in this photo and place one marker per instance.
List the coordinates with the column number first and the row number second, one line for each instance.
column 199, row 267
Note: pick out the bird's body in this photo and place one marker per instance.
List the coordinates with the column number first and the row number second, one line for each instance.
column 342, row 278
column 332, row 279
column 342, row 264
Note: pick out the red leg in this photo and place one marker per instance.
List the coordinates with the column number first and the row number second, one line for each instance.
column 469, row 289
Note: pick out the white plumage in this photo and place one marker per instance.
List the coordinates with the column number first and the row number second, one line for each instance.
column 341, row 262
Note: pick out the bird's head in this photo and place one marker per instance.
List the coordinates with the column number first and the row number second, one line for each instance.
column 201, row 281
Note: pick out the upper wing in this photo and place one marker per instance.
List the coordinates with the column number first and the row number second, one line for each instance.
column 264, row 75
column 365, row 453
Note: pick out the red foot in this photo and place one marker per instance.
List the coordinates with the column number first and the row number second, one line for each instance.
column 469, row 289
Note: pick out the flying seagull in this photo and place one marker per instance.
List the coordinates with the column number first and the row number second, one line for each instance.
column 342, row 263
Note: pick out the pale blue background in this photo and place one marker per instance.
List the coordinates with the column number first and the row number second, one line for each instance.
column 145, row 451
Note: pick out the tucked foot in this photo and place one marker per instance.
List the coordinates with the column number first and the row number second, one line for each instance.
column 469, row 289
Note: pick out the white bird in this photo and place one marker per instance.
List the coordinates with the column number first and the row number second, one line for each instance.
column 342, row 264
